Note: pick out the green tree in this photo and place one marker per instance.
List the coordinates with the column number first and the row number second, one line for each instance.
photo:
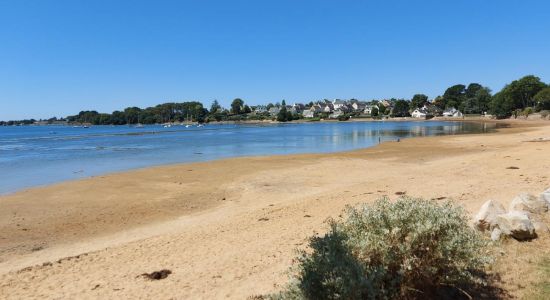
column 237, row 106
column 454, row 97
column 542, row 99
column 501, row 105
column 477, row 99
column 282, row 116
column 517, row 95
column 132, row 115
column 215, row 107
column 117, row 118
column 374, row 112
column 483, row 98
column 381, row 109
column 401, row 108
column 247, row 109
column 523, row 91
column 472, row 89
column 418, row 101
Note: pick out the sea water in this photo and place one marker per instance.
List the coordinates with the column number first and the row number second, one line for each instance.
column 40, row 155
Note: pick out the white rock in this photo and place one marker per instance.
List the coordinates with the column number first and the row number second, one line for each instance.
column 529, row 203
column 516, row 224
column 486, row 218
column 495, row 234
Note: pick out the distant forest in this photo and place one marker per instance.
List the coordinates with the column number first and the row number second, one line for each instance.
column 523, row 96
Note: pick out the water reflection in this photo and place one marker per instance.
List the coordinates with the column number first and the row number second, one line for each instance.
column 31, row 156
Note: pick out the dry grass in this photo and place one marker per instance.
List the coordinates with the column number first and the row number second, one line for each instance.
column 523, row 268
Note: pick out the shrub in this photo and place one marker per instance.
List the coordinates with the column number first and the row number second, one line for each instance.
column 544, row 113
column 343, row 117
column 404, row 249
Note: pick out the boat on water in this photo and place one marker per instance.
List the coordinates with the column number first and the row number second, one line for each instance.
column 167, row 125
column 200, row 125
column 139, row 125
column 187, row 121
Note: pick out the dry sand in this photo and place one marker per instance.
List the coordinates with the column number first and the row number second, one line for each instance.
column 230, row 228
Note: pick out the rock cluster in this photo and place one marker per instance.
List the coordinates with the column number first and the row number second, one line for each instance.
column 521, row 222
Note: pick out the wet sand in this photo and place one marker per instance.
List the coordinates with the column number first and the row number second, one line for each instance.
column 229, row 228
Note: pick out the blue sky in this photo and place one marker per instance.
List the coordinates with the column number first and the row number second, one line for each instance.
column 60, row 57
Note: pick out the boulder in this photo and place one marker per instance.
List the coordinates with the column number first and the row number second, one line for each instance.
column 495, row 234
column 529, row 203
column 486, row 218
column 516, row 224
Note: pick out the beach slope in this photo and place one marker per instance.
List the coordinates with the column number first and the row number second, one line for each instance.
column 230, row 228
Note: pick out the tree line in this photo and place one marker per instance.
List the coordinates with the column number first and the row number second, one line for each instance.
column 524, row 95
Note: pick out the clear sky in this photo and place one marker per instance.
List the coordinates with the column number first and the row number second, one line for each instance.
column 59, row 57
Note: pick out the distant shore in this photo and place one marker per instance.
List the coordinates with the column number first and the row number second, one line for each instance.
column 229, row 228
column 533, row 117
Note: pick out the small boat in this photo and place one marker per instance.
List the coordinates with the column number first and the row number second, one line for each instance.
column 139, row 125
column 187, row 121
column 200, row 125
column 167, row 125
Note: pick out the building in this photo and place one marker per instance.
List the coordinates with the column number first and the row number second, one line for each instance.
column 260, row 109
column 420, row 113
column 337, row 104
column 358, row 106
column 368, row 109
column 308, row 113
column 274, row 111
column 297, row 108
column 453, row 113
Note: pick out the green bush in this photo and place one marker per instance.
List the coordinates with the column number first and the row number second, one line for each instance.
column 343, row 117
column 411, row 248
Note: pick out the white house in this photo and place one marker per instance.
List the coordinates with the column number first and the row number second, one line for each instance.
column 308, row 113
column 338, row 103
column 297, row 108
column 329, row 108
column 368, row 109
column 260, row 109
column 419, row 113
column 316, row 108
column 358, row 106
column 453, row 112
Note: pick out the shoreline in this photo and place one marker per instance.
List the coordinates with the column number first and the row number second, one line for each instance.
column 468, row 120
column 140, row 220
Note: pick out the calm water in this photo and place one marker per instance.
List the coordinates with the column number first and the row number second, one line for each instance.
column 39, row 155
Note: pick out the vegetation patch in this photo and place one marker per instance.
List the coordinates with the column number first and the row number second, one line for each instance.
column 407, row 249
column 542, row 288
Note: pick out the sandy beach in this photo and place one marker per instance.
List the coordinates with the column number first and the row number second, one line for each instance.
column 230, row 228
